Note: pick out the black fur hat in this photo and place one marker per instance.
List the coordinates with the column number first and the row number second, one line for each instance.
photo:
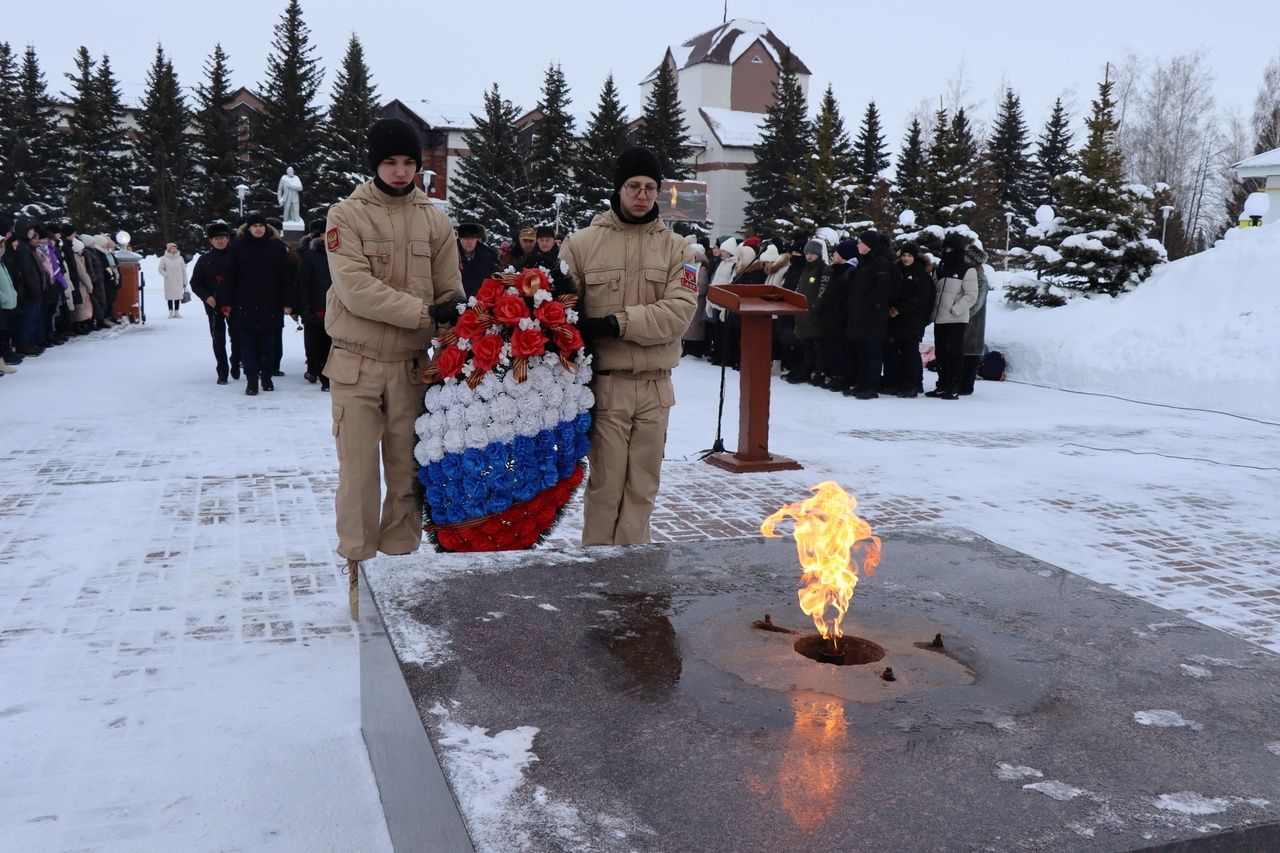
column 636, row 160
column 954, row 241
column 218, row 229
column 545, row 231
column 316, row 227
column 388, row 137
column 256, row 217
column 471, row 229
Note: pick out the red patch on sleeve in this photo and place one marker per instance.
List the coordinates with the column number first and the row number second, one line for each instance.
column 689, row 278
column 331, row 240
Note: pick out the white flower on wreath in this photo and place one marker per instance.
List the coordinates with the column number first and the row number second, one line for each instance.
column 434, row 448
column 455, row 441
column 463, row 344
column 503, row 432
column 571, row 315
column 478, row 435
column 513, row 290
column 527, row 323
column 540, row 297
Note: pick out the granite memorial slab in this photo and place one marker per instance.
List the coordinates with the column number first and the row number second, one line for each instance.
column 634, row 699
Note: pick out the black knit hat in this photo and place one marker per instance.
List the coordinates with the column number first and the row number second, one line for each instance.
column 955, row 241
column 636, row 160
column 256, row 217
column 471, row 229
column 388, row 137
column 870, row 237
column 912, row 249
column 218, row 229
column 316, row 226
column 545, row 231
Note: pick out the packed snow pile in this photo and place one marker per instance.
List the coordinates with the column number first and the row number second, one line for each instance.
column 1200, row 332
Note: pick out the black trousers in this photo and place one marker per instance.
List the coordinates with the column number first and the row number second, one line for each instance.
column 903, row 370
column 948, row 343
column 870, row 361
column 255, row 346
column 272, row 349
column 220, row 328
column 836, row 360
column 969, row 373
column 316, row 341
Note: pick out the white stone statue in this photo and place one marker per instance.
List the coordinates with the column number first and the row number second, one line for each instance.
column 289, row 194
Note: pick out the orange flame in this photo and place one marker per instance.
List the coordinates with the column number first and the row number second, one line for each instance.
column 834, row 544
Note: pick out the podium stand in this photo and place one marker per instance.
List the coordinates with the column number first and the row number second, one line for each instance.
column 757, row 305
column 129, row 297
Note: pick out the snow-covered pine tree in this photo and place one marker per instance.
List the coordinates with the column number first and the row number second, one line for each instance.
column 937, row 165
column 665, row 131
column 129, row 204
column 1053, row 156
column 605, row 137
column 8, row 114
column 88, row 149
column 35, row 170
column 288, row 132
column 162, row 155
column 827, row 177
column 908, row 175
column 551, row 158
column 781, row 155
column 491, row 187
column 215, row 162
column 870, row 158
column 353, row 107
column 1004, row 178
column 963, row 154
column 1098, row 243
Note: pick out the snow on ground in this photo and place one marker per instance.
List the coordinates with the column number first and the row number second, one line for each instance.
column 177, row 669
column 1200, row 332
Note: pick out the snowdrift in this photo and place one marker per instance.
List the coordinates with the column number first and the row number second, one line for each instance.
column 1200, row 332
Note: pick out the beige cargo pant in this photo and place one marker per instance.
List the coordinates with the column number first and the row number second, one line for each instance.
column 628, row 437
column 375, row 404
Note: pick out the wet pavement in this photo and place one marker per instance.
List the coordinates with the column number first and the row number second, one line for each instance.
column 1059, row 715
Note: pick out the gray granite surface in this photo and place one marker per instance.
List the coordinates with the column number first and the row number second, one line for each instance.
column 1059, row 716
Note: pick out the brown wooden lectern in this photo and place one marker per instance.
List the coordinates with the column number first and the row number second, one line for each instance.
column 757, row 304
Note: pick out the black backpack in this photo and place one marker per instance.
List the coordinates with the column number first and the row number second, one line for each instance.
column 992, row 367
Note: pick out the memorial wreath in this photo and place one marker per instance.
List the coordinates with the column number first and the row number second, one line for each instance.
column 502, row 443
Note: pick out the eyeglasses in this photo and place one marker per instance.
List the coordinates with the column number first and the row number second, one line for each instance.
column 639, row 190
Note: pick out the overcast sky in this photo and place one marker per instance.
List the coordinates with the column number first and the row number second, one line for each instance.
column 897, row 55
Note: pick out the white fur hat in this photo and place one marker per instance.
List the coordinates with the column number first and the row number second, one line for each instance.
column 746, row 257
column 730, row 246
column 770, row 254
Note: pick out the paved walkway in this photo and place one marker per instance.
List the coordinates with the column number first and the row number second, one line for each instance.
column 177, row 669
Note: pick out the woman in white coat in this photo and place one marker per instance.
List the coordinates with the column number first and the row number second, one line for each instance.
column 174, row 271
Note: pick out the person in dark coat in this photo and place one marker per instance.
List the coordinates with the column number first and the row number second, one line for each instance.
column 545, row 252
column 870, row 292
column 808, row 327
column 257, row 285
column 833, row 315
column 975, row 330
column 908, row 318
column 476, row 260
column 208, row 279
column 25, row 272
column 313, row 288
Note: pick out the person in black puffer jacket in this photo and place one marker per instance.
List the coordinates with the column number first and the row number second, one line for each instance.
column 259, row 275
column 870, row 292
column 908, row 317
column 833, row 315
column 313, row 289
column 208, row 279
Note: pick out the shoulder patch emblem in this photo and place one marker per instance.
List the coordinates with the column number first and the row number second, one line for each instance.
column 331, row 240
column 689, row 277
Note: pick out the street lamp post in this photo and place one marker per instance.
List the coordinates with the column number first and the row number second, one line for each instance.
column 559, row 200
column 241, row 191
column 1008, row 226
column 427, row 176
column 1164, row 229
column 844, row 211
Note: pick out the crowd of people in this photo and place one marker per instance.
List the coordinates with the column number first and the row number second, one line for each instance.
column 868, row 308
column 55, row 286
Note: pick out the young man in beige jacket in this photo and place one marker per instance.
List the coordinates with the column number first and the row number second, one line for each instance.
column 393, row 258
column 639, row 290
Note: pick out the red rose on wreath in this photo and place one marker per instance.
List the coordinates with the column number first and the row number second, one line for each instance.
column 551, row 313
column 511, row 309
column 451, row 361
column 531, row 280
column 485, row 351
column 568, row 339
column 528, row 342
column 468, row 326
column 490, row 291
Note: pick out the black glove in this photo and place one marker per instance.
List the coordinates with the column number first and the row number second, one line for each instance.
column 446, row 312
column 594, row 328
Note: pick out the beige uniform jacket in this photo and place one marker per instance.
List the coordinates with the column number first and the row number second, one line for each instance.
column 388, row 257
column 634, row 271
